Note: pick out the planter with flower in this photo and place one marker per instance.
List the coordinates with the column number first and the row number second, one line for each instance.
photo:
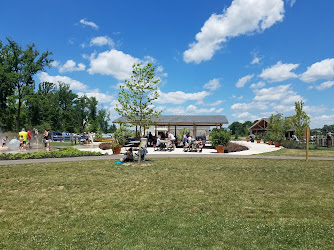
column 220, row 139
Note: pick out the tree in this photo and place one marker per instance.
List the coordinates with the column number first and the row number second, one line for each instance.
column 102, row 120
column 278, row 126
column 300, row 120
column 137, row 95
column 23, row 65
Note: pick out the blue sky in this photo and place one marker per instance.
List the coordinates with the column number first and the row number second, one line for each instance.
column 242, row 58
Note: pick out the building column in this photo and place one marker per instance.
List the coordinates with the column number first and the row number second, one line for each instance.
column 155, row 130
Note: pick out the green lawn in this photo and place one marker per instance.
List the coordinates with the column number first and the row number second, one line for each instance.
column 302, row 152
column 168, row 203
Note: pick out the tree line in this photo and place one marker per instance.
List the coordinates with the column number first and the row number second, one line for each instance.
column 50, row 105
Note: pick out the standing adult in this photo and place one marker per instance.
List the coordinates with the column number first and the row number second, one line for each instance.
column 24, row 135
column 63, row 135
column 329, row 139
column 36, row 135
column 28, row 138
column 46, row 139
column 185, row 139
column 150, row 139
column 171, row 138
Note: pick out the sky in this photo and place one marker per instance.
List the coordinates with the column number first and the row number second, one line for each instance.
column 245, row 59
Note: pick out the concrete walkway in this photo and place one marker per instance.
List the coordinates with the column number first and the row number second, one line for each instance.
column 254, row 148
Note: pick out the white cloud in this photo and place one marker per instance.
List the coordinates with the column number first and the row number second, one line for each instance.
column 253, row 106
column 101, row 41
column 212, row 84
column 321, row 120
column 256, row 59
column 216, row 103
column 180, row 97
column 87, row 23
column 101, row 97
column 69, row 66
column 246, row 116
column 282, row 93
column 325, row 85
column 243, row 80
column 279, row 72
column 237, row 97
column 242, row 17
column 258, row 85
column 292, row 2
column 74, row 84
column 315, row 109
column 113, row 62
column 191, row 109
column 319, row 70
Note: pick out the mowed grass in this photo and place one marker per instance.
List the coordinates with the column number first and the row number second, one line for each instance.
column 302, row 153
column 168, row 203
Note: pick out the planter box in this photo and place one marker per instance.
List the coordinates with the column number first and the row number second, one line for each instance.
column 117, row 150
column 220, row 149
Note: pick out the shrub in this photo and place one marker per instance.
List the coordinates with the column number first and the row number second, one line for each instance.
column 61, row 153
column 234, row 147
column 105, row 145
column 220, row 137
column 293, row 144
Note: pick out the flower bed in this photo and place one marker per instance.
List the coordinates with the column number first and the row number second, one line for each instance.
column 234, row 147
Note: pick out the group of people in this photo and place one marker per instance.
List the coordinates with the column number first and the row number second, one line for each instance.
column 165, row 140
column 190, row 144
column 25, row 138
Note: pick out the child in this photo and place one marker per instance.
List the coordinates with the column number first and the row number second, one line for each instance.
column 4, row 141
column 128, row 156
column 21, row 143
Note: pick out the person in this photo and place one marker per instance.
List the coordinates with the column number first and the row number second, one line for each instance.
column 24, row 134
column 28, row 138
column 21, row 143
column 150, row 139
column 36, row 135
column 63, row 135
column 4, row 141
column 162, row 136
column 204, row 141
column 329, row 139
column 171, row 138
column 128, row 156
column 185, row 139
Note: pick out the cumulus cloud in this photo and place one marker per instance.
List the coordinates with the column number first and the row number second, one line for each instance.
column 256, row 59
column 246, row 116
column 191, row 109
column 242, row 17
column 282, row 93
column 237, row 97
column 87, row 23
column 321, row 120
column 279, row 72
column 243, row 80
column 74, row 84
column 325, row 85
column 69, row 66
column 101, row 97
column 180, row 97
column 319, row 70
column 212, row 84
column 113, row 62
column 101, row 41
column 258, row 85
column 253, row 106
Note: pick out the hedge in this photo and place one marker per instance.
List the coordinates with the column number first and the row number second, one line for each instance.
column 61, row 153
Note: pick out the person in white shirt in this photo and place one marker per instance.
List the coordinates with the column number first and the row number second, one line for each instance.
column 171, row 138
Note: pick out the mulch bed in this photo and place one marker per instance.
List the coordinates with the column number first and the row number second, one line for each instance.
column 234, row 147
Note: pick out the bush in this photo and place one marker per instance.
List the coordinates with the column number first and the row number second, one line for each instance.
column 61, row 153
column 293, row 144
column 219, row 137
column 234, row 147
column 105, row 145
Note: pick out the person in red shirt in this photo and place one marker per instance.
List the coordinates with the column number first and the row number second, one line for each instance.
column 28, row 138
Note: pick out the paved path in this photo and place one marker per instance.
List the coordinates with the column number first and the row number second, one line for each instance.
column 117, row 157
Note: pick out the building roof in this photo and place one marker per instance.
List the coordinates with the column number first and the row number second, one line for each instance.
column 208, row 120
column 257, row 124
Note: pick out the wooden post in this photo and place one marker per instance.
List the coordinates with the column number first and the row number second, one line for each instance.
column 155, row 130
column 307, row 135
column 168, row 127
column 175, row 131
